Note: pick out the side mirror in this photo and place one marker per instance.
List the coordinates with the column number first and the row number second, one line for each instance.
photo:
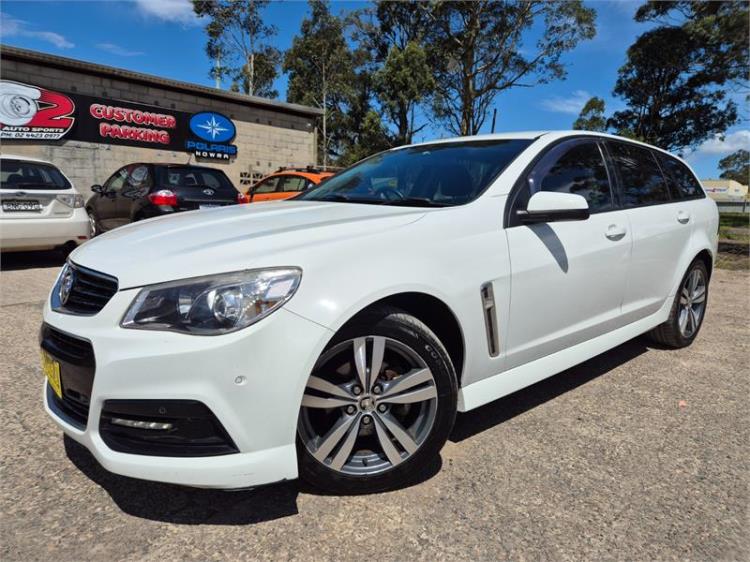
column 96, row 188
column 550, row 206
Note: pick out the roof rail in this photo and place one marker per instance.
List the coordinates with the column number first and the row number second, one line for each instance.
column 309, row 169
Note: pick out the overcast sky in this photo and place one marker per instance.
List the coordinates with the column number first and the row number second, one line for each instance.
column 164, row 38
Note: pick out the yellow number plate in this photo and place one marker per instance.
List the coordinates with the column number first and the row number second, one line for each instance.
column 51, row 370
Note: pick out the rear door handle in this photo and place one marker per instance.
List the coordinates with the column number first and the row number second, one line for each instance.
column 615, row 232
column 683, row 217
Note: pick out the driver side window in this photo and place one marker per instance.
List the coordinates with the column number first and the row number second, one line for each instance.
column 576, row 166
column 117, row 181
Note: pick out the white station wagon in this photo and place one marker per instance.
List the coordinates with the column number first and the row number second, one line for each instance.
column 335, row 336
column 39, row 207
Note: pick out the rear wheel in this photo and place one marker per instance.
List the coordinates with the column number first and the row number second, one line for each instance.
column 688, row 309
column 378, row 406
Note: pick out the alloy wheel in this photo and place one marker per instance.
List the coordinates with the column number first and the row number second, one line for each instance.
column 692, row 303
column 368, row 406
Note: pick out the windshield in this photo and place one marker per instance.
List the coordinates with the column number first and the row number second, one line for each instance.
column 20, row 174
column 187, row 176
column 433, row 175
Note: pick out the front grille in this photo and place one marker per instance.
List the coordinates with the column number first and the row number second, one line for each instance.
column 77, row 366
column 89, row 293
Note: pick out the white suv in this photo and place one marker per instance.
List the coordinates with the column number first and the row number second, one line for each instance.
column 336, row 335
column 39, row 207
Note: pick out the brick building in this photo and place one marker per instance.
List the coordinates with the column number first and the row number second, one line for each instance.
column 90, row 120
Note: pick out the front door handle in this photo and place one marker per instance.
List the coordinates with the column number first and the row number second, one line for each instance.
column 615, row 232
column 683, row 217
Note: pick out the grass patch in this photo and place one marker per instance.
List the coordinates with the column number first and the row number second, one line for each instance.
column 734, row 220
column 734, row 227
column 735, row 262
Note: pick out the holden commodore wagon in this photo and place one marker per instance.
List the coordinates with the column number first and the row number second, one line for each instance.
column 335, row 336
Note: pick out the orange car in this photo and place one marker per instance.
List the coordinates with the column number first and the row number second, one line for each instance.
column 285, row 183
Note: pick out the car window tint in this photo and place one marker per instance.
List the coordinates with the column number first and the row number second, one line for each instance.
column 186, row 176
column 138, row 176
column 17, row 174
column 266, row 186
column 451, row 173
column 137, row 181
column 292, row 183
column 681, row 180
column 574, row 167
column 641, row 177
column 117, row 180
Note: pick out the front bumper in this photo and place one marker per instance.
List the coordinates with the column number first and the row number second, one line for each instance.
column 44, row 233
column 252, row 381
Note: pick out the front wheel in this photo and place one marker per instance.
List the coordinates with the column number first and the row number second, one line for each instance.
column 378, row 406
column 688, row 309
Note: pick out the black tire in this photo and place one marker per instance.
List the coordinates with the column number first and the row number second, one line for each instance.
column 668, row 334
column 395, row 324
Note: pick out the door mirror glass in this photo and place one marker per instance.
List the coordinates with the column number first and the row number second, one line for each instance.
column 550, row 206
column 96, row 188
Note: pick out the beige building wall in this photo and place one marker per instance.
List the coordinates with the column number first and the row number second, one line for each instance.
column 724, row 190
column 266, row 138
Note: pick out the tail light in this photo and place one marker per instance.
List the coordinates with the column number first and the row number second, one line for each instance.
column 163, row 197
column 243, row 198
column 74, row 200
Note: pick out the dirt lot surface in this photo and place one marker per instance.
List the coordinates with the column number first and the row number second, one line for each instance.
column 638, row 454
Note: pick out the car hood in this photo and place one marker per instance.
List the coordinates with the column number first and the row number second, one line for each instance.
column 231, row 238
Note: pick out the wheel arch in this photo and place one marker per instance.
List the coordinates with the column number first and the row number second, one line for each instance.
column 435, row 314
column 708, row 260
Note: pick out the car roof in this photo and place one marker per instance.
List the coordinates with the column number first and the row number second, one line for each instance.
column 306, row 175
column 533, row 135
column 24, row 158
column 550, row 134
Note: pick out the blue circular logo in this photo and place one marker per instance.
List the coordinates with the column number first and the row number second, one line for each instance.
column 212, row 127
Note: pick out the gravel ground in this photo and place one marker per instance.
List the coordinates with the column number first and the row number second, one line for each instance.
column 638, row 454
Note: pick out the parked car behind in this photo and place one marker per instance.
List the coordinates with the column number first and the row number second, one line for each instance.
column 286, row 183
column 141, row 191
column 40, row 208
column 335, row 336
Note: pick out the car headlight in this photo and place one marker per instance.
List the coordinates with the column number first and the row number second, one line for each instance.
column 215, row 304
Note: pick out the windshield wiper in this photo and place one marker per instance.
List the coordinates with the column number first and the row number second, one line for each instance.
column 346, row 199
column 417, row 202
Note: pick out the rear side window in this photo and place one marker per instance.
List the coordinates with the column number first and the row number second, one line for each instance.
column 186, row 176
column 137, row 181
column 575, row 166
column 267, row 186
column 292, row 183
column 20, row 174
column 682, row 182
column 640, row 175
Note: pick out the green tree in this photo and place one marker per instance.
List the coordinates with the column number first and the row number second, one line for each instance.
column 669, row 103
column 592, row 116
column 477, row 51
column 736, row 167
column 321, row 74
column 393, row 34
column 719, row 30
column 237, row 41
column 402, row 83
column 371, row 137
